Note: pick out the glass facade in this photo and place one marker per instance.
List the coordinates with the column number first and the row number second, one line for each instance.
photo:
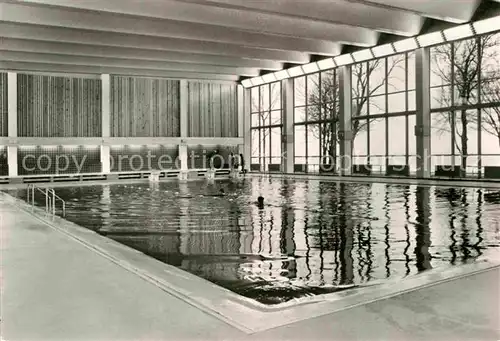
column 465, row 113
column 316, row 116
column 266, row 126
column 383, row 105
column 465, row 102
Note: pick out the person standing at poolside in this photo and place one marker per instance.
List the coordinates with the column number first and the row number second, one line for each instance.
column 232, row 162
column 242, row 163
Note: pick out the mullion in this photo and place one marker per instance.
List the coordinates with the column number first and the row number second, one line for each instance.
column 269, row 115
column 407, row 130
column 320, row 117
column 306, row 102
column 452, row 112
column 479, row 111
column 386, row 110
column 368, row 152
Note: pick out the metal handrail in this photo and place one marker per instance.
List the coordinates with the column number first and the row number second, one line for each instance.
column 50, row 199
column 55, row 198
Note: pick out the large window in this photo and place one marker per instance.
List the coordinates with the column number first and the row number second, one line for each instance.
column 266, row 125
column 383, row 111
column 316, row 115
column 465, row 95
column 465, row 113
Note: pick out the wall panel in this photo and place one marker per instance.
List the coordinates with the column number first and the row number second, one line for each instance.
column 212, row 110
column 4, row 110
column 58, row 160
column 144, row 107
column 199, row 156
column 144, row 158
column 50, row 106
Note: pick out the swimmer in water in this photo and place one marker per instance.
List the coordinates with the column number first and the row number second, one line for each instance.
column 260, row 202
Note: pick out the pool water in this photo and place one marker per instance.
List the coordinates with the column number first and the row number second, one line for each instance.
column 311, row 237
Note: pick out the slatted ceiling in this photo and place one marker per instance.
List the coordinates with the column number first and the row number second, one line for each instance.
column 50, row 106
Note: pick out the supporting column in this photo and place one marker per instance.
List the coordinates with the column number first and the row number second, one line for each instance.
column 235, row 173
column 345, row 125
column 184, row 131
column 423, row 119
column 106, row 123
column 12, row 122
column 288, row 127
column 105, row 159
column 12, row 160
column 183, row 156
column 247, row 133
column 240, row 103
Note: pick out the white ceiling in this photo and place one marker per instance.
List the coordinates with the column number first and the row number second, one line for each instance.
column 203, row 39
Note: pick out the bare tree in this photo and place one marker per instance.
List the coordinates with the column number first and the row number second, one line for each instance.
column 263, row 111
column 364, row 88
column 323, row 101
column 324, row 107
column 490, row 118
column 459, row 65
column 490, row 86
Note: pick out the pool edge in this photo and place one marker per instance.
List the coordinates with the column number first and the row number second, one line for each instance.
column 241, row 313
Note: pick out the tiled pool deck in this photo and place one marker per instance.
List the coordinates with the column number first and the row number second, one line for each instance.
column 62, row 282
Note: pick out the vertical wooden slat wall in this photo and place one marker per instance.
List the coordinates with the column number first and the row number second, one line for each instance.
column 4, row 111
column 50, row 106
column 212, row 110
column 144, row 107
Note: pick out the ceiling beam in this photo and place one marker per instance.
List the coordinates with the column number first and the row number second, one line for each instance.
column 455, row 11
column 89, row 20
column 385, row 20
column 89, row 37
column 239, row 18
column 21, row 45
column 85, row 69
column 123, row 63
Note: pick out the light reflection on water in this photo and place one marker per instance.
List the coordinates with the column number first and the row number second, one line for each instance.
column 311, row 237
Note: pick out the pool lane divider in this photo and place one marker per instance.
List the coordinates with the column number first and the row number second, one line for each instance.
column 240, row 312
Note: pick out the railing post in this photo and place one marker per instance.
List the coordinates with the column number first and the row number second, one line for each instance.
column 53, row 202
column 47, row 200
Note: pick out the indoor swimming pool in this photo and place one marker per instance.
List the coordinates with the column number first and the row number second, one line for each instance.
column 311, row 237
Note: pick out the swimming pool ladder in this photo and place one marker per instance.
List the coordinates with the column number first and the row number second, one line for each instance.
column 51, row 199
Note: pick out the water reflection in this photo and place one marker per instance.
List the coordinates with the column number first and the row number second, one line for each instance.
column 311, row 237
column 423, row 240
